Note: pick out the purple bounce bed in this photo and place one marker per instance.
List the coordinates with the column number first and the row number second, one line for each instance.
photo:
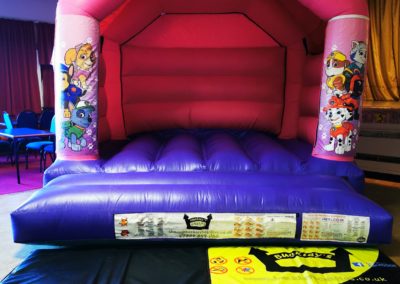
column 204, row 184
column 241, row 120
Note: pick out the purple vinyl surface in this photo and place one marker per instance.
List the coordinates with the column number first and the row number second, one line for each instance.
column 211, row 171
column 212, row 150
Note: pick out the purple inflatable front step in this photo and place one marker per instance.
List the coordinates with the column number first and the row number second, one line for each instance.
column 98, row 207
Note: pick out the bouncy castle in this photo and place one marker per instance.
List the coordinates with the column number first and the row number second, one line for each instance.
column 240, row 121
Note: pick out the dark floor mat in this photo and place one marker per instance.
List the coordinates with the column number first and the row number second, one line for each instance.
column 113, row 265
column 194, row 265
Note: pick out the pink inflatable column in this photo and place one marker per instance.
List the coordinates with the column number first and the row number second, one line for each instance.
column 345, row 58
column 75, row 64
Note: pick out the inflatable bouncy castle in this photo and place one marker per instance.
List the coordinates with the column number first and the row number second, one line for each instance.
column 240, row 120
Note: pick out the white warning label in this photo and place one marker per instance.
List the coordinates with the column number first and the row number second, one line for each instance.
column 204, row 225
column 335, row 227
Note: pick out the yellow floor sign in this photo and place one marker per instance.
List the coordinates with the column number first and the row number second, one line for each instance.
column 289, row 264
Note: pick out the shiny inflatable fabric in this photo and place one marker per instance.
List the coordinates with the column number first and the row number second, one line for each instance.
column 213, row 171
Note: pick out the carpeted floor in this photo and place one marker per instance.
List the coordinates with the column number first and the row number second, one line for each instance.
column 12, row 195
column 31, row 178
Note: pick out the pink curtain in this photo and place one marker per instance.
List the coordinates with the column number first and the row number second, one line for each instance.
column 19, row 88
column 45, row 43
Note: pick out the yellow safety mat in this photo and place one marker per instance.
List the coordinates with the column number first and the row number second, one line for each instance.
column 288, row 264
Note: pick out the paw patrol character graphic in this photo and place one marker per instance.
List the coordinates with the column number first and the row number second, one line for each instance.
column 71, row 93
column 75, row 129
column 354, row 73
column 337, row 112
column 82, row 58
column 336, row 63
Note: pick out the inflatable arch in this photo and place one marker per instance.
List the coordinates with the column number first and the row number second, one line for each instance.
column 253, row 61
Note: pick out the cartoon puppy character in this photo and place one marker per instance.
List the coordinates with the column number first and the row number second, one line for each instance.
column 76, row 127
column 354, row 73
column 358, row 55
column 70, row 93
column 83, row 58
column 336, row 63
column 338, row 114
column 124, row 222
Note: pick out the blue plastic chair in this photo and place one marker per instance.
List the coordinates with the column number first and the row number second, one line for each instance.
column 27, row 119
column 6, row 149
column 7, row 120
column 49, row 149
column 45, row 118
column 5, row 146
column 39, row 146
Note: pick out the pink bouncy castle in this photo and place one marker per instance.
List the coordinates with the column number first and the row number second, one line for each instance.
column 239, row 39
column 232, row 112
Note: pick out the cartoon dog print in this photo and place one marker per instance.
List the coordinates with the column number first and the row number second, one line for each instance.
column 336, row 63
column 71, row 94
column 75, row 128
column 358, row 55
column 354, row 73
column 337, row 112
column 83, row 58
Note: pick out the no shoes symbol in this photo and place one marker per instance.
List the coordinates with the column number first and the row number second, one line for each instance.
column 242, row 260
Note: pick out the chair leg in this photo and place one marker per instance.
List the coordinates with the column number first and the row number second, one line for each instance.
column 12, row 158
column 9, row 158
column 13, row 147
column 41, row 161
column 26, row 158
column 44, row 161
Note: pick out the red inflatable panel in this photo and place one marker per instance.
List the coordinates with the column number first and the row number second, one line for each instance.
column 295, row 61
column 202, row 61
column 309, row 99
column 193, row 88
column 112, row 89
column 203, row 31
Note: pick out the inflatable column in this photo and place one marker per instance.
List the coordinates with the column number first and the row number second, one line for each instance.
column 75, row 61
column 345, row 59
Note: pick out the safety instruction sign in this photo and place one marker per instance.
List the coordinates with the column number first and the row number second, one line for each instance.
column 290, row 264
column 335, row 227
column 204, row 225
